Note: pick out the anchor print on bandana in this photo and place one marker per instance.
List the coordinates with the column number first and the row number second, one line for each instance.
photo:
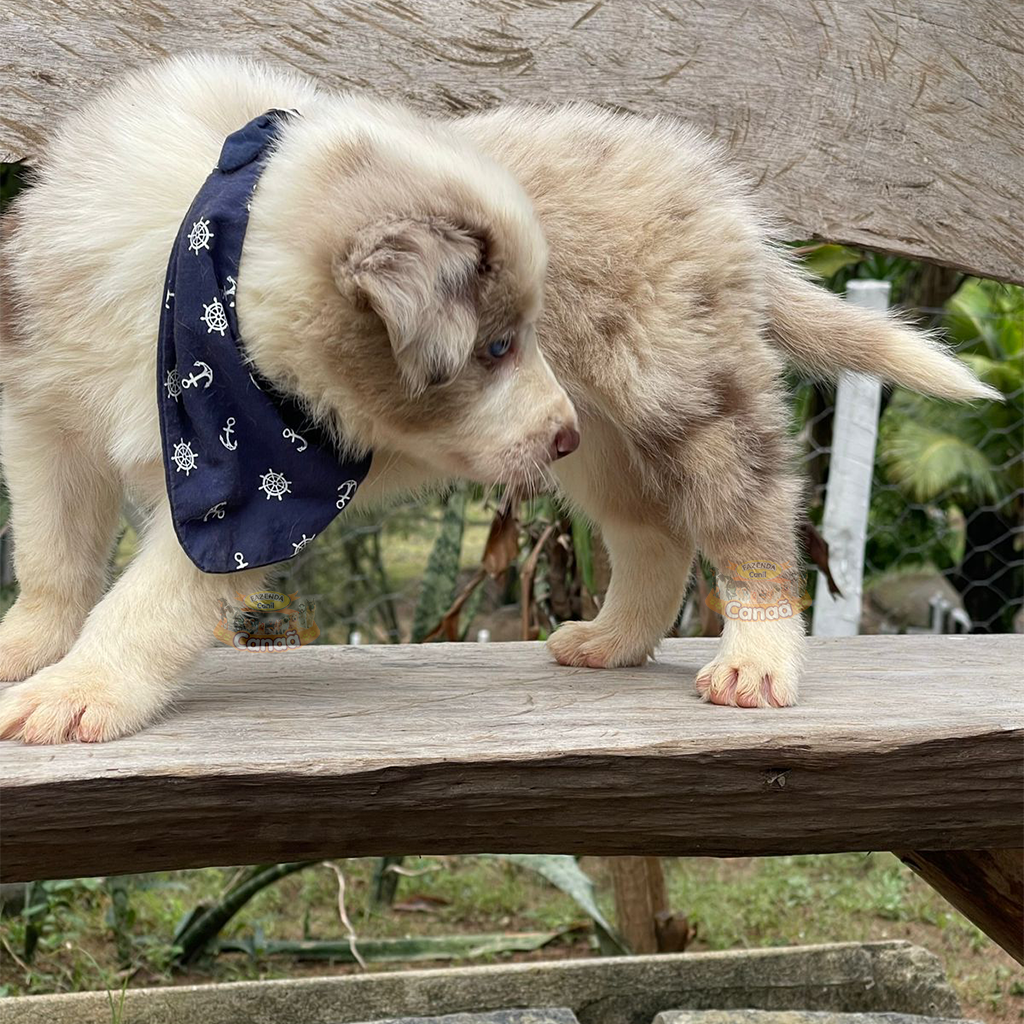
column 216, row 511
column 251, row 479
column 225, row 435
column 205, row 375
column 290, row 435
column 346, row 492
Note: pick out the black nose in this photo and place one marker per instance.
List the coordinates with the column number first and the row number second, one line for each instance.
column 566, row 442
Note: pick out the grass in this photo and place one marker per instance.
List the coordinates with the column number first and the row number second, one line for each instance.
column 735, row 903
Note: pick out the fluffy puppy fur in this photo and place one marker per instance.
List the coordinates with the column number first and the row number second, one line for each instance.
column 384, row 253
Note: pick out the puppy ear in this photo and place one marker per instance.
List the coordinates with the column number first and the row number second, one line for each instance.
column 422, row 278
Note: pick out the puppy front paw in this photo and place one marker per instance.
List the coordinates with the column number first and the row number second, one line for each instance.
column 588, row 645
column 23, row 652
column 68, row 703
column 748, row 681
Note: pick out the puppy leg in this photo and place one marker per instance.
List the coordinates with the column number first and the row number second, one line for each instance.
column 650, row 568
column 64, row 505
column 124, row 667
column 760, row 585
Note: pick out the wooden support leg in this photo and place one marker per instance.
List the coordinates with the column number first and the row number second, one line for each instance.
column 986, row 886
column 639, row 897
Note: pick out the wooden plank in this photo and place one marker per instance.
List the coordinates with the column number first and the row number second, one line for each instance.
column 899, row 743
column 897, row 127
column 986, row 886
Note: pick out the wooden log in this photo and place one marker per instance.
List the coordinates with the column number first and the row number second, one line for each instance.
column 898, row 743
column 640, row 896
column 897, row 128
column 986, row 886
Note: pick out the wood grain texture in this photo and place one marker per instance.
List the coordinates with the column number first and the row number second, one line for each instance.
column 897, row 126
column 986, row 886
column 899, row 743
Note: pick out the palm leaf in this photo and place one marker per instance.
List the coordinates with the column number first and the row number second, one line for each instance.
column 563, row 872
column 926, row 462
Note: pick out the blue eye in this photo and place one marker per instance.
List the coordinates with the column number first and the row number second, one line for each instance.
column 499, row 348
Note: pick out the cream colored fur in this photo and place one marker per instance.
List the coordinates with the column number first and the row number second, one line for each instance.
column 384, row 252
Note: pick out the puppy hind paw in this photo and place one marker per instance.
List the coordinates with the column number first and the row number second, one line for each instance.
column 587, row 645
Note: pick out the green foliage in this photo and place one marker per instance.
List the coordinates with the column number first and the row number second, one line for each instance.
column 905, row 536
column 582, row 543
column 965, row 453
column 50, row 909
column 938, row 462
column 12, row 181
column 736, row 903
column 437, row 590
column 927, row 460
column 196, row 931
column 988, row 317
column 121, row 916
column 565, row 873
column 345, row 573
column 828, row 260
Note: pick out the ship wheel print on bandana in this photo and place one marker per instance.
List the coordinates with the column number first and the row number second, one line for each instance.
column 200, row 236
column 184, row 458
column 275, row 485
column 214, row 317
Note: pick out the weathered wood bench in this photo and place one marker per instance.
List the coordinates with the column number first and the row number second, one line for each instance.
column 900, row 130
column 900, row 743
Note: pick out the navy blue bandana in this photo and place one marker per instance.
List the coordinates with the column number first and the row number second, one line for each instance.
column 251, row 480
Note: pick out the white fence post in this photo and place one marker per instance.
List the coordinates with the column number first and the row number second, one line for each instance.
column 848, row 494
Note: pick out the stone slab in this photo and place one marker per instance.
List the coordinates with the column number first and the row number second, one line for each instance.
column 796, row 1017
column 893, row 977
column 545, row 1015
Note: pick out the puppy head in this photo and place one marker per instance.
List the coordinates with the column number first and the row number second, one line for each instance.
column 392, row 278
column 450, row 302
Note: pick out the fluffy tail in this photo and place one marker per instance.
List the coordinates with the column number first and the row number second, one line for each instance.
column 823, row 333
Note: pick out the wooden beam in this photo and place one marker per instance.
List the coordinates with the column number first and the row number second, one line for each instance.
column 897, row 127
column 898, row 743
column 986, row 886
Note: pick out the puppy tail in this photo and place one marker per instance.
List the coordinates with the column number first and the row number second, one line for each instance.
column 823, row 333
